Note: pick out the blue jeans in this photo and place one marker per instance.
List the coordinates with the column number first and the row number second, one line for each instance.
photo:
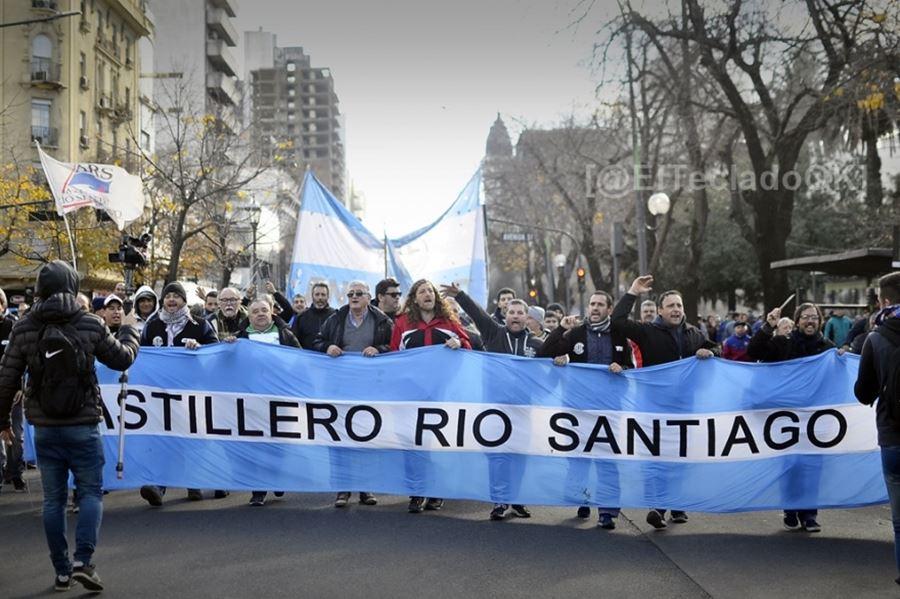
column 79, row 449
column 890, row 465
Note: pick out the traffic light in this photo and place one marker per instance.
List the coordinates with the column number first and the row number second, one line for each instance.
column 532, row 293
column 580, row 272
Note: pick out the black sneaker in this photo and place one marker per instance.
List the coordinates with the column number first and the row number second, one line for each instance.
column 606, row 522
column 679, row 517
column 62, row 583
column 520, row 511
column 791, row 521
column 810, row 525
column 19, row 485
column 221, row 494
column 152, row 495
column 86, row 575
column 656, row 520
column 195, row 495
column 258, row 499
column 584, row 512
column 499, row 511
column 434, row 503
column 416, row 505
column 341, row 499
column 367, row 498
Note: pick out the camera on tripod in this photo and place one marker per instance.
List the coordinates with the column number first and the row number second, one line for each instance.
column 132, row 251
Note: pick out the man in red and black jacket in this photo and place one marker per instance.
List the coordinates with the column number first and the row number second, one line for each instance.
column 427, row 319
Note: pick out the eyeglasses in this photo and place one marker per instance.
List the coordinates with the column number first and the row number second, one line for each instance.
column 394, row 294
column 228, row 300
column 356, row 293
column 809, row 317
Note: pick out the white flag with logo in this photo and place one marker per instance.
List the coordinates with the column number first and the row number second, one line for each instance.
column 104, row 186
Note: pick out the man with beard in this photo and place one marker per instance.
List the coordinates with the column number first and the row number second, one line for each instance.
column 511, row 338
column 356, row 327
column 173, row 326
column 667, row 338
column 387, row 296
column 227, row 318
column 427, row 319
column 592, row 342
column 307, row 325
column 805, row 340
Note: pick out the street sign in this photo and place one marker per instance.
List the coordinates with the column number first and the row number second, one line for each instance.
column 517, row 237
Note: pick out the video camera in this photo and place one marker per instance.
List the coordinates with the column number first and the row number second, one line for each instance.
column 132, row 251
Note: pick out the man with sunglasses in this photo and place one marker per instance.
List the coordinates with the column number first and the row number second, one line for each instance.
column 355, row 327
column 387, row 297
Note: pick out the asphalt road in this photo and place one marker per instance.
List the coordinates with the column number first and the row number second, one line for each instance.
column 300, row 546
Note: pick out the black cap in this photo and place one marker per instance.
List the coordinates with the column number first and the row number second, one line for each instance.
column 176, row 288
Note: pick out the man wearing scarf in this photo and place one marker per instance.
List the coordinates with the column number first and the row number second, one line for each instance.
column 805, row 340
column 592, row 342
column 173, row 326
column 667, row 338
column 875, row 369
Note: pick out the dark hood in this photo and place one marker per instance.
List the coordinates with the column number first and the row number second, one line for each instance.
column 59, row 307
column 892, row 324
column 56, row 277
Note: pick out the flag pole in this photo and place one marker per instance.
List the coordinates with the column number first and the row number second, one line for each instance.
column 71, row 241
column 58, row 203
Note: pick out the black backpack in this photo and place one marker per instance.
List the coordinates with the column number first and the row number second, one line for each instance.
column 62, row 370
column 890, row 389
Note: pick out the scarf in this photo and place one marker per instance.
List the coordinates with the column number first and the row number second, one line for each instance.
column 175, row 323
column 892, row 311
column 600, row 327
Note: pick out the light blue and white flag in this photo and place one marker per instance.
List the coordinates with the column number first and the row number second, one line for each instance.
column 710, row 435
column 451, row 249
column 333, row 246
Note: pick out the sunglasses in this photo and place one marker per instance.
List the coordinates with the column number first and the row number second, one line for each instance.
column 394, row 294
column 356, row 293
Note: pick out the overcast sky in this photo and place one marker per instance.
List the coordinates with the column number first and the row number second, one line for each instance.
column 420, row 82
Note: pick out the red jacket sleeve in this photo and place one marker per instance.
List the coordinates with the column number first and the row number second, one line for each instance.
column 397, row 333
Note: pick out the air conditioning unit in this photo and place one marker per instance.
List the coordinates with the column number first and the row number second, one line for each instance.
column 40, row 75
column 83, row 141
column 105, row 102
column 83, row 82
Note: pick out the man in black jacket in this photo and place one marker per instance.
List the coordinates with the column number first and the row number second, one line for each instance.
column 356, row 327
column 592, row 342
column 874, row 368
column 12, row 462
column 64, row 441
column 307, row 325
column 667, row 339
column 513, row 338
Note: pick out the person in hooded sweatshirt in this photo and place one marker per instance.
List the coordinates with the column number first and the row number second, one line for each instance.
column 307, row 325
column 173, row 326
column 65, row 441
column 805, row 340
column 512, row 338
column 145, row 306
column 667, row 338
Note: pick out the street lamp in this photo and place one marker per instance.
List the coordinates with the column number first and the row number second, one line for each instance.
column 658, row 204
column 253, row 213
column 560, row 262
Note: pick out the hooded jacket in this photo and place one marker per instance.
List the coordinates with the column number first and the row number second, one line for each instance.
column 56, row 288
column 142, row 292
column 496, row 337
column 874, row 365
column 332, row 332
column 659, row 343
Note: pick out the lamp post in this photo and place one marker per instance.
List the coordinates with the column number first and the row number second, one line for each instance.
column 253, row 212
column 560, row 262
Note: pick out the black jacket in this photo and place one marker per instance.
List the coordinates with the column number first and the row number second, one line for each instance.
column 307, row 326
column 59, row 286
column 332, row 332
column 766, row 347
column 656, row 340
column 6, row 326
column 199, row 330
column 562, row 342
column 285, row 336
column 495, row 337
column 874, row 365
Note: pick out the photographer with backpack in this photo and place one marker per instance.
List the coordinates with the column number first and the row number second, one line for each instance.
column 879, row 378
column 56, row 343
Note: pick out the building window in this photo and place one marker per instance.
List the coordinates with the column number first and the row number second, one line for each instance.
column 40, row 121
column 291, row 93
column 145, row 140
column 82, row 66
column 41, row 53
column 291, row 67
column 290, row 105
column 290, row 116
column 291, row 79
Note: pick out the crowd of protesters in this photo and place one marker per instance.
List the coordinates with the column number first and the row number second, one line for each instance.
column 377, row 321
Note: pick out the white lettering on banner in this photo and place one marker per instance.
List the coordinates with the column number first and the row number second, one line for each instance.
column 521, row 429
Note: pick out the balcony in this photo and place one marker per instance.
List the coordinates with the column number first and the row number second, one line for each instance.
column 45, row 73
column 222, row 58
column 46, row 136
column 105, row 104
column 51, row 5
column 229, row 6
column 218, row 21
column 222, row 88
column 122, row 112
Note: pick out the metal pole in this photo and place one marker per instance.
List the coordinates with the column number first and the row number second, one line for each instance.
column 123, row 394
column 639, row 216
column 254, row 272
